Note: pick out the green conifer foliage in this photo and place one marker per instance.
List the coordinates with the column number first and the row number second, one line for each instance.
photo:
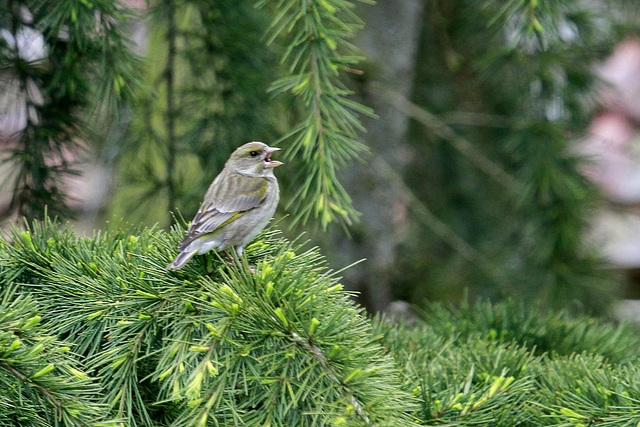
column 60, row 64
column 317, row 54
column 504, row 93
column 42, row 382
column 94, row 331
column 510, row 365
column 211, row 344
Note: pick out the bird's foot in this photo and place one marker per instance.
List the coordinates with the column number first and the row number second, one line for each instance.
column 229, row 256
column 232, row 262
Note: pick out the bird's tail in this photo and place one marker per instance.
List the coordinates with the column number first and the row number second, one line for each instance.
column 181, row 260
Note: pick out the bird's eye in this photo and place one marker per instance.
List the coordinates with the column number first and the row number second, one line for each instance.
column 254, row 153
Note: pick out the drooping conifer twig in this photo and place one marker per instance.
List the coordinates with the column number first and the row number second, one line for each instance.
column 325, row 139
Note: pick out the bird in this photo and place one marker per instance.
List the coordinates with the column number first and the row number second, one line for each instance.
column 237, row 206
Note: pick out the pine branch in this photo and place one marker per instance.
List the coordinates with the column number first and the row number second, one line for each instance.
column 322, row 359
column 325, row 138
column 22, row 377
column 461, row 144
column 48, row 88
column 513, row 191
column 210, row 343
column 218, row 344
column 506, row 365
column 43, row 375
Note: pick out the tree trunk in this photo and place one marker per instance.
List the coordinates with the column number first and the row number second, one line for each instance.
column 389, row 41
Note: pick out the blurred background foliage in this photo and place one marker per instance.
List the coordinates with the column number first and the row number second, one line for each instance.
column 468, row 181
column 206, row 92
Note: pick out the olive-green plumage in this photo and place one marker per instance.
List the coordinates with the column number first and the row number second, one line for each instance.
column 237, row 206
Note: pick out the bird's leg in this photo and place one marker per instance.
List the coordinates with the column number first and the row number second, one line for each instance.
column 232, row 261
column 229, row 256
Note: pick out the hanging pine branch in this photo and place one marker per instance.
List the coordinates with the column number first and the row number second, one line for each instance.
column 61, row 63
column 555, row 200
column 324, row 140
column 512, row 82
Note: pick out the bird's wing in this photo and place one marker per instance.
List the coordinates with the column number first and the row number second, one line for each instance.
column 237, row 193
column 226, row 200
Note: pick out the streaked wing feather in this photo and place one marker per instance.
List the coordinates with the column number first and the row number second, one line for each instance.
column 230, row 198
column 237, row 193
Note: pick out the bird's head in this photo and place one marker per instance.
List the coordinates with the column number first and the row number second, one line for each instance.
column 253, row 158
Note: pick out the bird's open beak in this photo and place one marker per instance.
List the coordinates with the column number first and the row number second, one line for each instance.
column 270, row 164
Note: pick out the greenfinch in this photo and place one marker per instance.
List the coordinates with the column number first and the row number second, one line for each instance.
column 237, row 206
